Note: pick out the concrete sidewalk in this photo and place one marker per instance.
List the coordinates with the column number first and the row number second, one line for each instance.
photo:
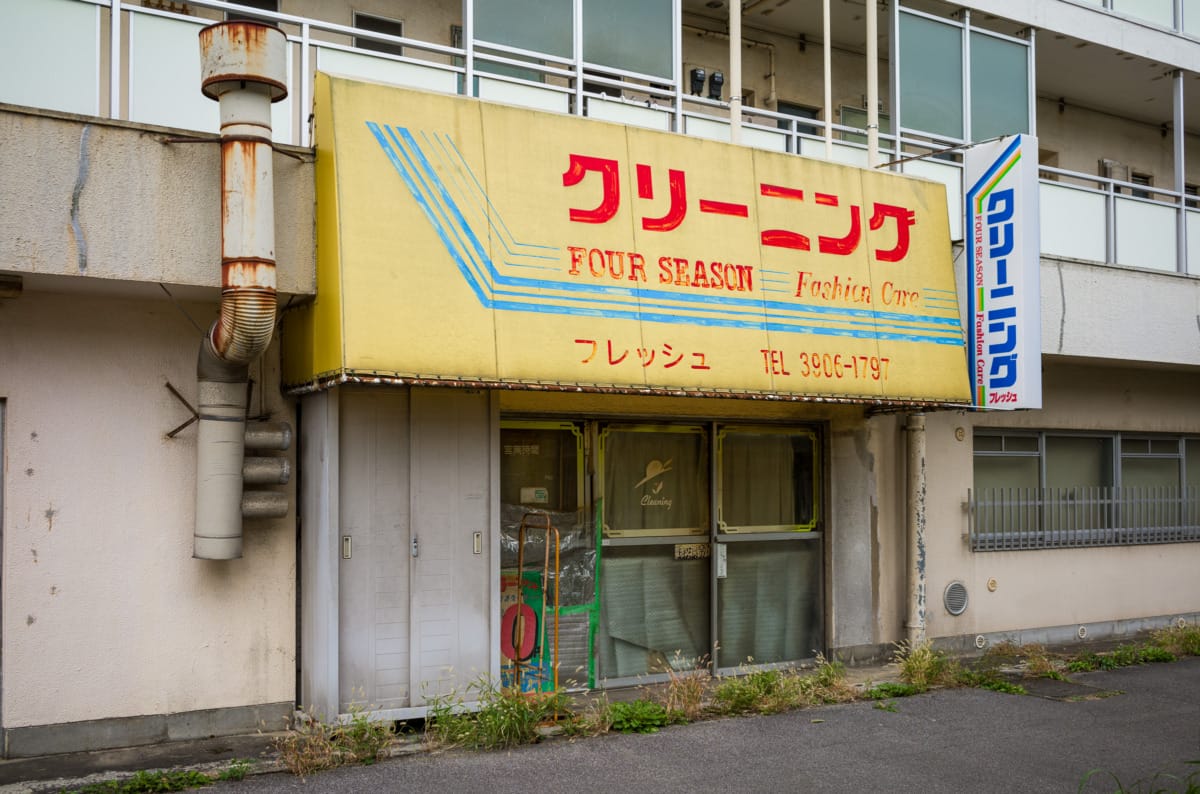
column 1131, row 723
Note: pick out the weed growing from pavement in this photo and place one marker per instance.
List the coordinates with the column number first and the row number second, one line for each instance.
column 639, row 716
column 496, row 717
column 773, row 691
column 313, row 744
column 684, row 692
column 891, row 689
column 504, row 718
column 150, row 781
column 1160, row 783
column 924, row 666
column 1181, row 640
column 236, row 770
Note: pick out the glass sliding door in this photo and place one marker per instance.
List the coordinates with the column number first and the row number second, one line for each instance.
column 654, row 570
column 768, row 552
column 541, row 480
column 689, row 546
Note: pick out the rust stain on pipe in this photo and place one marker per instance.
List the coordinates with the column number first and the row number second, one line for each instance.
column 251, row 40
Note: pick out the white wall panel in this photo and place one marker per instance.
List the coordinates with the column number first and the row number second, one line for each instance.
column 1145, row 235
column 164, row 78
column 50, row 55
column 1072, row 222
column 383, row 70
column 1193, row 242
column 524, row 95
column 627, row 113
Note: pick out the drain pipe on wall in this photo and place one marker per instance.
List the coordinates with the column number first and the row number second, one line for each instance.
column 915, row 443
column 243, row 66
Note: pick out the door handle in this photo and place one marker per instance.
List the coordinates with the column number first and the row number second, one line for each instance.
column 415, row 551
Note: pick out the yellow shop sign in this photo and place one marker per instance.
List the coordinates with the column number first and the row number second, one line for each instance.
column 470, row 241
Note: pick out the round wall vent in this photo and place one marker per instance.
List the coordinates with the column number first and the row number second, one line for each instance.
column 955, row 598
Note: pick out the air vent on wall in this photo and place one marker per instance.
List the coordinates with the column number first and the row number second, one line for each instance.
column 955, row 598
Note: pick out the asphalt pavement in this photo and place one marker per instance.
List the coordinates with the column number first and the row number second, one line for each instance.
column 1139, row 727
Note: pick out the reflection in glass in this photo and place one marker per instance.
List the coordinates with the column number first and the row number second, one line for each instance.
column 768, row 481
column 931, row 78
column 999, row 87
column 634, row 35
column 655, row 481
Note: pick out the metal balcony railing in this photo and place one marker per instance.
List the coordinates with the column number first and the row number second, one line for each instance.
column 140, row 63
column 1009, row 519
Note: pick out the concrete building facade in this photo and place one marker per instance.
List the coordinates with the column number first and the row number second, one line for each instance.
column 807, row 520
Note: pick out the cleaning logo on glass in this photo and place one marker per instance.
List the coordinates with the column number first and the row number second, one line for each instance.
column 654, row 497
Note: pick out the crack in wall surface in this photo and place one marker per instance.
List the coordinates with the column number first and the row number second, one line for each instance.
column 76, row 193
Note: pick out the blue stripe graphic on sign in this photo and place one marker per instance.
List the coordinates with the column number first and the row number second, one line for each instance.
column 497, row 290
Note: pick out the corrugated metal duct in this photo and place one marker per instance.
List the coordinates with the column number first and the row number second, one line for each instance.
column 243, row 66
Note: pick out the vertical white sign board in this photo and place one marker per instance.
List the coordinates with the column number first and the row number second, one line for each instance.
column 1004, row 322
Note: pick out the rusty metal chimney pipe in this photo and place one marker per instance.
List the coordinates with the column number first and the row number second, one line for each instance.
column 243, row 66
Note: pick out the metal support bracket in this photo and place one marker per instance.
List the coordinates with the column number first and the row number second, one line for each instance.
column 188, row 405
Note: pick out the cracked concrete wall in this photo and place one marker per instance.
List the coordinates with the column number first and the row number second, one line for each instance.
column 105, row 612
column 110, row 200
column 1101, row 312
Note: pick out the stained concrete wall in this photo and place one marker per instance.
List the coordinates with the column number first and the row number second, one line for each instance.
column 110, row 200
column 1059, row 587
column 105, row 613
column 1119, row 314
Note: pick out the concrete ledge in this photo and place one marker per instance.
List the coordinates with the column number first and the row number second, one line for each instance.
column 107, row 734
column 1100, row 632
column 863, row 655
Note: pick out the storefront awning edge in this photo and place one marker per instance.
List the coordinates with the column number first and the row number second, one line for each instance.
column 330, row 380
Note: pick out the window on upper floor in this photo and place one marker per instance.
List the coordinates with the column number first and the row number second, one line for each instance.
column 1046, row 489
column 934, row 65
column 261, row 5
column 799, row 111
column 1139, row 178
column 857, row 117
column 378, row 24
column 621, row 35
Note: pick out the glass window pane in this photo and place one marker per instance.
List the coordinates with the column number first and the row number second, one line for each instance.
column 539, row 468
column 999, row 87
column 1160, row 12
column 537, row 25
column 1078, row 462
column 1191, row 17
column 655, row 481
column 995, row 472
column 1150, row 473
column 768, row 481
column 1020, row 444
column 1150, row 495
column 392, row 27
column 1135, row 446
column 58, row 71
column 539, row 474
column 634, row 35
column 1164, row 446
column 988, row 443
column 931, row 76
column 653, row 611
column 768, row 604
column 1192, row 464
